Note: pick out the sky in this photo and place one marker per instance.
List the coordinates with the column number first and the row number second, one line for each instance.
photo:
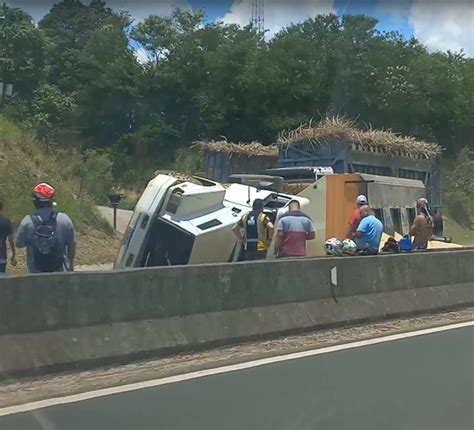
column 439, row 24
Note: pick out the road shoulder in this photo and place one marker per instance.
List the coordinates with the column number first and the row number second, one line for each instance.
column 35, row 389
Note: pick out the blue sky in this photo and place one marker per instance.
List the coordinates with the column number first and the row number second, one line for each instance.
column 214, row 9
column 217, row 9
column 439, row 24
column 387, row 22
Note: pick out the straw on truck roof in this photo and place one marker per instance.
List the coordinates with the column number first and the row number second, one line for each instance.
column 253, row 149
column 335, row 129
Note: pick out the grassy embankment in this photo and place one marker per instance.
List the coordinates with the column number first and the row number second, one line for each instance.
column 459, row 234
column 23, row 163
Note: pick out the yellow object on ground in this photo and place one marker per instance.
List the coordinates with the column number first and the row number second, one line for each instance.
column 432, row 244
column 435, row 244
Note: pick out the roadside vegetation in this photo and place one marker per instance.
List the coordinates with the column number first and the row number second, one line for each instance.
column 104, row 118
column 25, row 162
column 459, row 197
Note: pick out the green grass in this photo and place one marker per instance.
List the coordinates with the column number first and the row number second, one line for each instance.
column 461, row 235
column 23, row 163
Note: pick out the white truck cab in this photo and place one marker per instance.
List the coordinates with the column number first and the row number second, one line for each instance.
column 189, row 221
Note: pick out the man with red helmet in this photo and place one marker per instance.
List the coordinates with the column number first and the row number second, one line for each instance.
column 49, row 236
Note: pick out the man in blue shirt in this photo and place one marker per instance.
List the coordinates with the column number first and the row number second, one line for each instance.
column 369, row 232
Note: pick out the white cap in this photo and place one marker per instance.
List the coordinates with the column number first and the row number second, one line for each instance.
column 362, row 200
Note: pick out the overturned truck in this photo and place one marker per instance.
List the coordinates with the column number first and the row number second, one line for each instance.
column 182, row 220
column 188, row 220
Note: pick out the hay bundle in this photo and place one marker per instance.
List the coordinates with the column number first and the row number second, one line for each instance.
column 183, row 177
column 253, row 149
column 337, row 129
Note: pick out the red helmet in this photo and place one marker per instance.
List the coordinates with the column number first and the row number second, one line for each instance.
column 44, row 192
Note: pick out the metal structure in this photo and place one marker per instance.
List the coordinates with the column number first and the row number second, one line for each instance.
column 258, row 17
column 114, row 202
column 344, row 157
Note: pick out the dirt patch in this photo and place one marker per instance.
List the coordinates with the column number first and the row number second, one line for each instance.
column 94, row 247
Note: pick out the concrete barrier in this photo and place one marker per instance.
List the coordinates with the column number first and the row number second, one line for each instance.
column 57, row 321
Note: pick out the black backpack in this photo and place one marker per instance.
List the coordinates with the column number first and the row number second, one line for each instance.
column 47, row 253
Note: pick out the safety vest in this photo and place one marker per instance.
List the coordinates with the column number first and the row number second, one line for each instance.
column 255, row 231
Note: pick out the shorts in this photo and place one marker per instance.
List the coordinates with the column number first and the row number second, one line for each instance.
column 255, row 255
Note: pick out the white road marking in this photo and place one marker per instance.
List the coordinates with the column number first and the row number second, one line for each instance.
column 219, row 370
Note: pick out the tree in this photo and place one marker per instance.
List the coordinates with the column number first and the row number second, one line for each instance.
column 233, row 98
column 94, row 172
column 107, row 91
column 460, row 193
column 204, row 81
column 22, row 51
column 154, row 140
column 302, row 69
column 68, row 27
column 193, row 74
column 49, row 108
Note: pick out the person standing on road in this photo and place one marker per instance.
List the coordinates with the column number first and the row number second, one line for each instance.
column 355, row 218
column 6, row 233
column 438, row 224
column 294, row 229
column 422, row 228
column 49, row 236
column 255, row 231
column 369, row 232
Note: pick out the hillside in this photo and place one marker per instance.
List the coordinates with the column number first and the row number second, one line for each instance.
column 23, row 163
column 458, row 233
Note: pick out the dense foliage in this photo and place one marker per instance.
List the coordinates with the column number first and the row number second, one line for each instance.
column 77, row 72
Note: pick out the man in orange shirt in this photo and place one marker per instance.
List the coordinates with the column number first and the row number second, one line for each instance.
column 355, row 218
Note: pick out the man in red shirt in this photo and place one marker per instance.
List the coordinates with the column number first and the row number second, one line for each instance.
column 355, row 218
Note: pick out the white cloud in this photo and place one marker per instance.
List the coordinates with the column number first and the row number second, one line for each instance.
column 141, row 9
column 138, row 9
column 438, row 24
column 278, row 13
column 141, row 55
column 443, row 25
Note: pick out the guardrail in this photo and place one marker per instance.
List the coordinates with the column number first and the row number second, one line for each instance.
column 56, row 321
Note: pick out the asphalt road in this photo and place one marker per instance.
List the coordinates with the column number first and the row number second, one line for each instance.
column 423, row 382
column 123, row 217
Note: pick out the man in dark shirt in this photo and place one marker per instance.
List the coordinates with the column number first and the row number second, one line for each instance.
column 255, row 231
column 438, row 224
column 6, row 232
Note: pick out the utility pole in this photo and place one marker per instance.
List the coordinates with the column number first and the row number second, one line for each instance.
column 258, row 16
